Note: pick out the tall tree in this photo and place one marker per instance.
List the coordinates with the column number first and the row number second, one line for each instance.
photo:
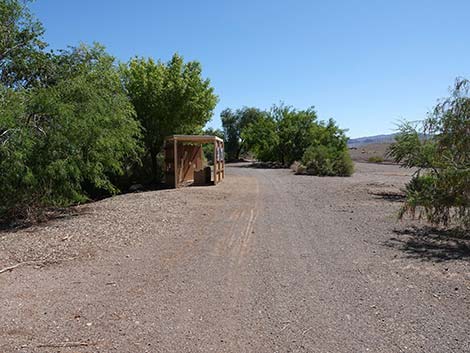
column 262, row 139
column 233, row 123
column 61, row 142
column 295, row 128
column 23, row 61
column 169, row 98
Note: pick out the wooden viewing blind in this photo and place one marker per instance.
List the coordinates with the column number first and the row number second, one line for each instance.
column 184, row 160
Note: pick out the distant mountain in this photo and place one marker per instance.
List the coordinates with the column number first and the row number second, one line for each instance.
column 362, row 141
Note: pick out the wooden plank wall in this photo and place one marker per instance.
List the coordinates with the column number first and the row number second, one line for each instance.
column 219, row 162
column 181, row 160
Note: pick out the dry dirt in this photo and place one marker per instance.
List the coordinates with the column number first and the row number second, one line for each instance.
column 363, row 153
column 264, row 262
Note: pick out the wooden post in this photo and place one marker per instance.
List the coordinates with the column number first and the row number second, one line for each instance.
column 223, row 159
column 175, row 162
column 215, row 162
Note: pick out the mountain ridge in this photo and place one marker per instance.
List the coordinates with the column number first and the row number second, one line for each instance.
column 367, row 140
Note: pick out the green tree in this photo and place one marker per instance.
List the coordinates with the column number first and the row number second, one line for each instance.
column 286, row 134
column 262, row 139
column 23, row 61
column 233, row 123
column 60, row 142
column 209, row 148
column 295, row 130
column 213, row 132
column 439, row 149
column 169, row 98
column 328, row 153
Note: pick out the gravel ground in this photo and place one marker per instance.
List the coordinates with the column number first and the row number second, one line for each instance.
column 264, row 262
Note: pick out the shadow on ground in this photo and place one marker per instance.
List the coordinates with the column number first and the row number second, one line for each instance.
column 258, row 165
column 41, row 219
column 432, row 244
column 391, row 196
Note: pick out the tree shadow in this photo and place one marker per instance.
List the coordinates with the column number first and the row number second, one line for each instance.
column 42, row 219
column 391, row 196
column 432, row 244
column 259, row 165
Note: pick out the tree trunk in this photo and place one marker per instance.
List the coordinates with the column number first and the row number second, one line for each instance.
column 153, row 157
column 239, row 150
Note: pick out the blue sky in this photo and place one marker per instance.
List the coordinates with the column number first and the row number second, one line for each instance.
column 367, row 64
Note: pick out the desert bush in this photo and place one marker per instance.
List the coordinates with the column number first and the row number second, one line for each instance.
column 375, row 159
column 328, row 153
column 60, row 141
column 439, row 148
column 327, row 161
column 285, row 135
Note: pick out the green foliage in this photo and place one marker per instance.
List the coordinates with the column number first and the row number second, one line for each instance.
column 262, row 139
column 285, row 135
column 412, row 149
column 439, row 190
column 169, row 98
column 327, row 161
column 71, row 121
column 296, row 130
column 208, row 149
column 60, row 141
column 328, row 154
column 23, row 63
column 375, row 159
column 234, row 123
column 281, row 135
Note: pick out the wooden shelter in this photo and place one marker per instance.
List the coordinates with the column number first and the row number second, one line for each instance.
column 184, row 160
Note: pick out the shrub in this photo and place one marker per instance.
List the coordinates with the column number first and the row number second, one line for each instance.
column 439, row 191
column 328, row 153
column 375, row 159
column 285, row 135
column 61, row 142
column 327, row 161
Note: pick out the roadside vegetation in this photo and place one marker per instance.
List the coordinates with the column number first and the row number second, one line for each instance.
column 75, row 124
column 375, row 159
column 439, row 148
column 284, row 135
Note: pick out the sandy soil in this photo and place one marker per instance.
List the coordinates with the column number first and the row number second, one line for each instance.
column 363, row 153
column 265, row 262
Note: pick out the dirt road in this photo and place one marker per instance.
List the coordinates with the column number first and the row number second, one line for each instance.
column 265, row 262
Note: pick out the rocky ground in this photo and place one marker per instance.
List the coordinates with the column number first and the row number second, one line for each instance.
column 377, row 151
column 266, row 261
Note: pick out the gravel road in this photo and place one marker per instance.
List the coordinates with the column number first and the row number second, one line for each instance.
column 264, row 262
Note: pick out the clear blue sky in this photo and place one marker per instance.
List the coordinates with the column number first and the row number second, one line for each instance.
column 367, row 64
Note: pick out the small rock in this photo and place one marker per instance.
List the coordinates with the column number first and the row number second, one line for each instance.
column 136, row 187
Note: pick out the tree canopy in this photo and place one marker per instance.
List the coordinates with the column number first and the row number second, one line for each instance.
column 234, row 122
column 169, row 98
column 23, row 61
column 61, row 141
column 285, row 134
